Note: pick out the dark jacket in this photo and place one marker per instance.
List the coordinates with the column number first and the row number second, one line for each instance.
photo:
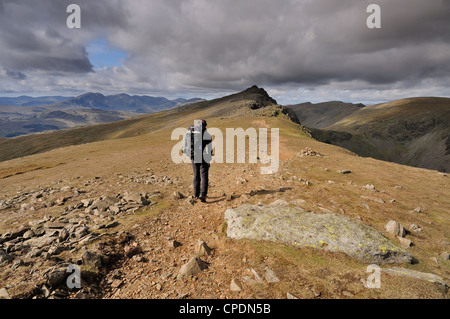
column 200, row 146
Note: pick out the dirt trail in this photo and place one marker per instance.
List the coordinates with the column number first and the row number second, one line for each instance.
column 187, row 223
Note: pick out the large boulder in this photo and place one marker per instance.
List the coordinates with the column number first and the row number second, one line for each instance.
column 294, row 226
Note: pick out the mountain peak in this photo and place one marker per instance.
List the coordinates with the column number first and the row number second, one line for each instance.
column 259, row 95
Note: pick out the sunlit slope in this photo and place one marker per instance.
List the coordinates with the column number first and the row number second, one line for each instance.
column 412, row 131
column 253, row 97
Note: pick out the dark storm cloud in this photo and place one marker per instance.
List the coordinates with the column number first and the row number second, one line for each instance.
column 15, row 75
column 229, row 44
column 34, row 34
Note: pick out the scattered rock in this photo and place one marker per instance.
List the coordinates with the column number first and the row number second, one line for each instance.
column 116, row 283
column 102, row 204
column 56, row 277
column 316, row 292
column 235, row 285
column 309, row 152
column 17, row 264
column 369, row 187
column 192, row 267
column 4, row 294
column 178, row 195
column 5, row 258
column 86, row 202
column 241, row 180
column 173, row 243
column 255, row 274
column 347, row 294
column 202, row 249
column 131, row 250
column 92, row 259
column 28, row 234
column 270, row 276
column 290, row 296
column 416, row 210
column 40, row 242
column 405, row 242
column 374, row 199
column 55, row 250
column 344, row 171
column 395, row 228
column 415, row 274
column 415, row 228
column 445, row 255
column 35, row 252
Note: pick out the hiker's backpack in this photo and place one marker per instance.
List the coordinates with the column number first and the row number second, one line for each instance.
column 187, row 142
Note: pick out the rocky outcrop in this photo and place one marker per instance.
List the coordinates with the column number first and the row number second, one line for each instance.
column 297, row 227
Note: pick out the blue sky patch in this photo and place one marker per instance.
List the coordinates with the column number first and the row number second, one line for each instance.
column 102, row 54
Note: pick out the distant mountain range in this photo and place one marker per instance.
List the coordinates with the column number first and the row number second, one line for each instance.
column 122, row 102
column 31, row 101
column 24, row 115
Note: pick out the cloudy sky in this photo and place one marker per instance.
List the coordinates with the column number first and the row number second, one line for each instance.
column 298, row 50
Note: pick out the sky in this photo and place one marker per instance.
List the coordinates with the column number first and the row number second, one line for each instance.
column 298, row 50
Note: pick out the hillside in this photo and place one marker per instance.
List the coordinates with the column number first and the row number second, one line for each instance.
column 321, row 115
column 412, row 131
column 110, row 199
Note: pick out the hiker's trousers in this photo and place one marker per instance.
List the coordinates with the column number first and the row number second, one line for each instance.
column 200, row 178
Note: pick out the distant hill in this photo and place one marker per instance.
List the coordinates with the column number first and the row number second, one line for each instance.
column 25, row 115
column 324, row 114
column 122, row 102
column 413, row 131
column 31, row 101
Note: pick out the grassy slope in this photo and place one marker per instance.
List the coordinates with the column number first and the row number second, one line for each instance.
column 410, row 131
column 300, row 268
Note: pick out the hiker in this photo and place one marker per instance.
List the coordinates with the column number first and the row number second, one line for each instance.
column 200, row 152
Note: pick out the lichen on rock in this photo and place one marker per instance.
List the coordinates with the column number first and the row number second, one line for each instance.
column 297, row 227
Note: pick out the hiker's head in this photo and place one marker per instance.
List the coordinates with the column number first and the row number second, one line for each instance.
column 201, row 124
